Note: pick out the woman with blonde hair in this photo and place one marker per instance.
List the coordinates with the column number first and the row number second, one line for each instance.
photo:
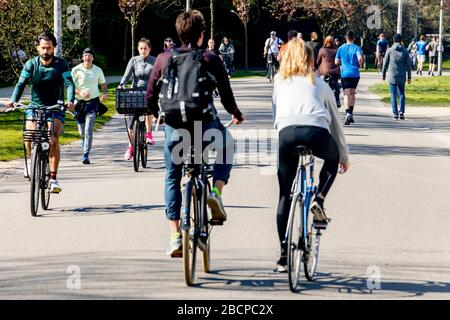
column 305, row 114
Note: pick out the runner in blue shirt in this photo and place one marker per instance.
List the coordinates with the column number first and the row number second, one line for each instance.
column 421, row 50
column 349, row 56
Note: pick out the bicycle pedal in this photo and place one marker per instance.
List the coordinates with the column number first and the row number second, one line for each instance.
column 320, row 225
column 216, row 222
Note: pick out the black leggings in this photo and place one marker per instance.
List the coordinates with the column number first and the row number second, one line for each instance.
column 323, row 146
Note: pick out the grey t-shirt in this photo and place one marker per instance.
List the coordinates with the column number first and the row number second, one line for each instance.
column 140, row 70
column 433, row 48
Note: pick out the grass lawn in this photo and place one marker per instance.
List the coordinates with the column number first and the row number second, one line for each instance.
column 11, row 146
column 249, row 73
column 430, row 91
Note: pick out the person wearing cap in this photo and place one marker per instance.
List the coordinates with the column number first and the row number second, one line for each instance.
column 87, row 77
column 397, row 64
column 271, row 49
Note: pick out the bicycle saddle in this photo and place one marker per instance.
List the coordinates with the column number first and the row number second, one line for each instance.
column 303, row 151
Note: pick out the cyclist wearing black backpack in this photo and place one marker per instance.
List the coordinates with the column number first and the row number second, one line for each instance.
column 183, row 81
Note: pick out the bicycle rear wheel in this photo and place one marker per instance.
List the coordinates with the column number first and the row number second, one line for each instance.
column 312, row 251
column 294, row 245
column 190, row 238
column 45, row 181
column 35, row 180
column 136, row 145
column 206, row 257
column 272, row 72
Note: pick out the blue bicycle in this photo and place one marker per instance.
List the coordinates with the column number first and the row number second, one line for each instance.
column 302, row 233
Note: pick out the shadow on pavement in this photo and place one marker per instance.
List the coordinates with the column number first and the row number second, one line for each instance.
column 99, row 210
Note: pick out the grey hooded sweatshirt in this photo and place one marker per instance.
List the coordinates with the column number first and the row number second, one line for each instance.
column 396, row 64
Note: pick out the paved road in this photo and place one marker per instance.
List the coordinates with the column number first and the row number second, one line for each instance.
column 390, row 212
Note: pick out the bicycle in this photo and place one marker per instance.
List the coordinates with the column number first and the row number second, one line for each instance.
column 333, row 82
column 196, row 225
column 379, row 58
column 302, row 234
column 39, row 176
column 271, row 66
column 132, row 102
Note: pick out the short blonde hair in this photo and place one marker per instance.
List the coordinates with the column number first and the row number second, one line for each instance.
column 297, row 60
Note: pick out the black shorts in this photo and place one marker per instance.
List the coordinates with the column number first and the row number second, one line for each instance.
column 434, row 60
column 349, row 83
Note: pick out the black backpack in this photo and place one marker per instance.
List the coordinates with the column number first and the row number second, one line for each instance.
column 186, row 86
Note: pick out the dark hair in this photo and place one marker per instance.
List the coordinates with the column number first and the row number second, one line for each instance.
column 146, row 41
column 292, row 34
column 190, row 26
column 46, row 36
column 350, row 35
column 398, row 38
column 329, row 42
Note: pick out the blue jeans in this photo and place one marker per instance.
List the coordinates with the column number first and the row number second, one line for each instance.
column 174, row 167
column 397, row 89
column 86, row 130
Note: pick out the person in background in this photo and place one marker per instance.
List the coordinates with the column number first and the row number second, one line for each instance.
column 397, row 65
column 169, row 44
column 412, row 49
column 139, row 68
column 328, row 68
column 432, row 48
column 290, row 35
column 87, row 77
column 19, row 56
column 421, row 50
column 212, row 47
column 349, row 57
column 227, row 51
column 299, row 35
column 315, row 45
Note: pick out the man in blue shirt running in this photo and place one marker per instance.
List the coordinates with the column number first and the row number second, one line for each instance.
column 421, row 52
column 349, row 57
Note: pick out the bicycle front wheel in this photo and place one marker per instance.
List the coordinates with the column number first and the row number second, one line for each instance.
column 206, row 258
column 35, row 180
column 143, row 147
column 190, row 238
column 295, row 243
column 136, row 145
column 45, row 182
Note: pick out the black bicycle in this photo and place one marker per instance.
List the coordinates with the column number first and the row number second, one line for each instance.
column 196, row 221
column 40, row 137
column 131, row 102
column 271, row 66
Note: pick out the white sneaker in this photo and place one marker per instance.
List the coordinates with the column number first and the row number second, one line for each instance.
column 55, row 187
column 26, row 173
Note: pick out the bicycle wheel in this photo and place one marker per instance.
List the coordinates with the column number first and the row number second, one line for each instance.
column 45, row 181
column 35, row 180
column 143, row 147
column 136, row 145
column 190, row 241
column 206, row 256
column 312, row 251
column 294, row 246
column 272, row 72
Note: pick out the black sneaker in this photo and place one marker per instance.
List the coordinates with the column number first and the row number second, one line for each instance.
column 402, row 116
column 281, row 266
column 395, row 117
column 348, row 118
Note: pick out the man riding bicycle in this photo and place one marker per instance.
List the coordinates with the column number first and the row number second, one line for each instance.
column 271, row 50
column 191, row 28
column 48, row 76
column 227, row 51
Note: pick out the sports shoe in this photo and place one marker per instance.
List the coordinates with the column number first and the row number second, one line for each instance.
column 215, row 203
column 26, row 173
column 318, row 212
column 395, row 117
column 149, row 138
column 281, row 266
column 55, row 187
column 175, row 245
column 348, row 119
column 402, row 116
column 86, row 159
column 429, row 72
column 129, row 154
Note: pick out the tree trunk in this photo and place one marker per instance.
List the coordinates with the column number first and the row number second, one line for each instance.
column 246, row 45
column 133, row 40
column 89, row 24
column 211, row 6
column 125, row 42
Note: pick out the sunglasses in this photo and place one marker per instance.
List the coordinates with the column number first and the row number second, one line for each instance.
column 169, row 41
